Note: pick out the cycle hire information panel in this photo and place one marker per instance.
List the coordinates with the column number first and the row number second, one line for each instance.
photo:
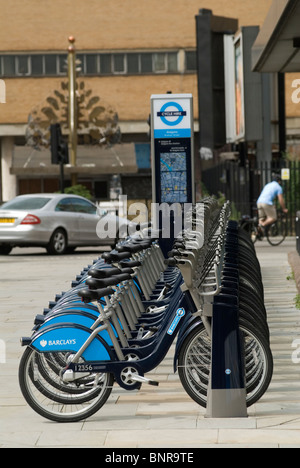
column 172, row 148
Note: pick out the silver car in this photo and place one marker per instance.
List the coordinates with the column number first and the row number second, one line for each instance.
column 58, row 222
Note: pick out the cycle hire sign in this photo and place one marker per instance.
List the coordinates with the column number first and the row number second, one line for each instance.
column 171, row 116
column 172, row 148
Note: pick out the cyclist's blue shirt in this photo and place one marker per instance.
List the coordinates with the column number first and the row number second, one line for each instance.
column 270, row 191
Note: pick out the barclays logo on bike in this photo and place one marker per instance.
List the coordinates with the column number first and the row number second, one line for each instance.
column 179, row 314
column 50, row 343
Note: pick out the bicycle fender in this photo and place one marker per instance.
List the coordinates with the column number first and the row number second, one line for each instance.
column 190, row 325
column 78, row 319
column 66, row 337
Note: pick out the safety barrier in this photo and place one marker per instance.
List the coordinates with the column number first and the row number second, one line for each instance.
column 122, row 314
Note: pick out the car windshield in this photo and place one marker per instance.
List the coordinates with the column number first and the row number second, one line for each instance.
column 26, row 203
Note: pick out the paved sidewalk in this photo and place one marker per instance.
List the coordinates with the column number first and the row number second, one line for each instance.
column 155, row 417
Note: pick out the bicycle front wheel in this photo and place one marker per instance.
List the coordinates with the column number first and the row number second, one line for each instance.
column 194, row 364
column 56, row 403
column 276, row 233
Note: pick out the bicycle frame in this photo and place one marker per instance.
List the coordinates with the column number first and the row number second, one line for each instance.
column 84, row 343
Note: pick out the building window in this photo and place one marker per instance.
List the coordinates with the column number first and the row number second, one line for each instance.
column 62, row 64
column 172, row 62
column 37, row 67
column 105, row 64
column 119, row 63
column 8, row 64
column 50, row 64
column 146, row 63
column 190, row 61
column 133, row 63
column 159, row 62
column 22, row 65
column 91, row 64
column 97, row 63
column 101, row 189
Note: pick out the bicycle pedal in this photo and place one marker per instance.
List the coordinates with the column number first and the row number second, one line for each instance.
column 139, row 378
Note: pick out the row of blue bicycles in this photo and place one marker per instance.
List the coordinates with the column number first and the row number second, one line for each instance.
column 122, row 314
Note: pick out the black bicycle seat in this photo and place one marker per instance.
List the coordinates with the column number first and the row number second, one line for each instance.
column 132, row 248
column 95, row 283
column 110, row 257
column 109, row 272
column 89, row 295
column 130, row 263
column 104, row 272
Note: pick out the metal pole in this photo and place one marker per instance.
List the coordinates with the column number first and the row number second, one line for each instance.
column 62, row 182
column 72, row 107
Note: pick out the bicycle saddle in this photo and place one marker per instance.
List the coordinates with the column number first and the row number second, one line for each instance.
column 104, row 272
column 132, row 248
column 89, row 295
column 108, row 272
column 94, row 283
column 130, row 263
column 110, row 257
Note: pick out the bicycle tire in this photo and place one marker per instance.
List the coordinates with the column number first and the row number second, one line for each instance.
column 48, row 408
column 250, row 229
column 276, row 233
column 258, row 375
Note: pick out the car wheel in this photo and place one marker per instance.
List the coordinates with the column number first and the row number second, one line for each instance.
column 58, row 243
column 5, row 249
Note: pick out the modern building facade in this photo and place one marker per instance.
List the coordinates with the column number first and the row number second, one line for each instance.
column 127, row 50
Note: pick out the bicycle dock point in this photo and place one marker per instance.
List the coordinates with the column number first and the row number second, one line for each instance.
column 199, row 288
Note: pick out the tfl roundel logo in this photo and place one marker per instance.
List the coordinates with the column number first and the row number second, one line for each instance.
column 169, row 115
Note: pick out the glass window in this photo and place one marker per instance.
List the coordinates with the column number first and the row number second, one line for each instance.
column 80, row 63
column 83, row 206
column 105, row 64
column 66, row 204
column 25, row 203
column 63, row 64
column 159, row 62
column 22, row 65
column 133, row 63
column 37, row 65
column 92, row 64
column 191, row 61
column 146, row 63
column 101, row 189
column 50, row 64
column 172, row 62
column 119, row 63
column 9, row 67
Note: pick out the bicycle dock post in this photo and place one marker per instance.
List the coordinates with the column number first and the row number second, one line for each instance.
column 226, row 395
column 219, row 311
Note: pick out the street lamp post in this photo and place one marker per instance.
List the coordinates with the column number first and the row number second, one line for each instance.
column 72, row 107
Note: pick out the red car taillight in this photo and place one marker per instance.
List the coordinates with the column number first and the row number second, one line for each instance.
column 31, row 219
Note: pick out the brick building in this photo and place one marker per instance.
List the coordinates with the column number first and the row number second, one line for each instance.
column 128, row 50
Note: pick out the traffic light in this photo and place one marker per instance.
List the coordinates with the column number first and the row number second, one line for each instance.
column 59, row 147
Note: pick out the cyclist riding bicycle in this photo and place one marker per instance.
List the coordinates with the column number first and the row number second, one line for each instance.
column 267, row 213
